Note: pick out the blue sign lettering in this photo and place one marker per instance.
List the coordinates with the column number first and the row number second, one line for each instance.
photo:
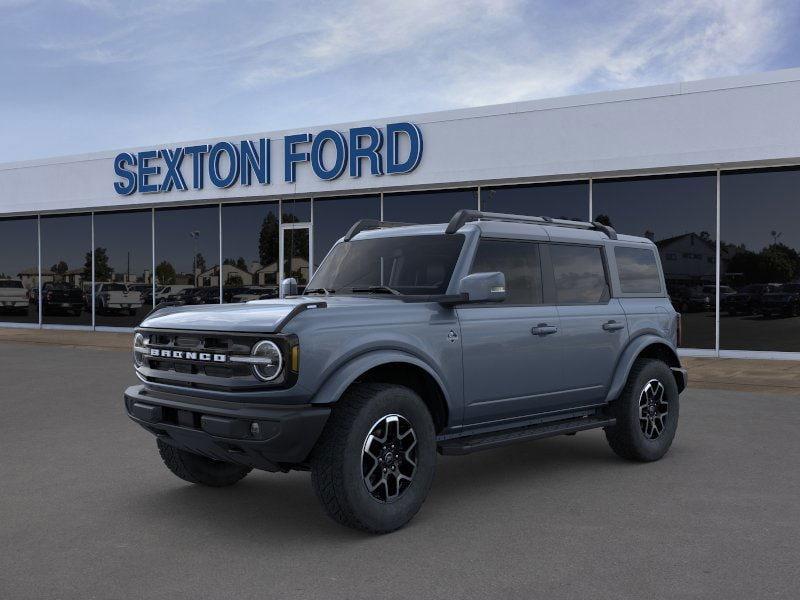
column 330, row 153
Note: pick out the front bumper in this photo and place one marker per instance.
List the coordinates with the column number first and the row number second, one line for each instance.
column 284, row 435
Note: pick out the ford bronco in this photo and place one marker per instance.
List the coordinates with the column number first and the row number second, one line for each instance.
column 411, row 339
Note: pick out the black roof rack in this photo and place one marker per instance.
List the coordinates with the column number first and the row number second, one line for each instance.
column 365, row 224
column 465, row 215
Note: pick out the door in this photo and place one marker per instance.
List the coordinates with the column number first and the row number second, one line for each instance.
column 295, row 253
column 594, row 329
column 510, row 350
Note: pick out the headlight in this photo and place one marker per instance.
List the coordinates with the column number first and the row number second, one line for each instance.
column 271, row 361
column 138, row 349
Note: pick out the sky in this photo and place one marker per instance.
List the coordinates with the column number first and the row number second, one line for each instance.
column 88, row 75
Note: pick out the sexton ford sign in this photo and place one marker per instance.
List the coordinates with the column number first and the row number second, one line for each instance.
column 225, row 164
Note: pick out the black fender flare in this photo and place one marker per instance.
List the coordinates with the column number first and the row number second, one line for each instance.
column 635, row 348
column 335, row 385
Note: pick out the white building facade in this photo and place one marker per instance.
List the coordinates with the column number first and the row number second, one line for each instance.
column 710, row 170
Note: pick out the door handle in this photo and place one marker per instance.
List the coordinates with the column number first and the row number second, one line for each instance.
column 613, row 326
column 543, row 329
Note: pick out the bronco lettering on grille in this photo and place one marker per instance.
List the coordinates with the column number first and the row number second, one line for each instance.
column 184, row 355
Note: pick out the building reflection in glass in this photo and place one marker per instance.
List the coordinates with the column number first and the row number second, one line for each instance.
column 760, row 293
column 679, row 214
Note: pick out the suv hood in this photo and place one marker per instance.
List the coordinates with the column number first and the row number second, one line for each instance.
column 259, row 316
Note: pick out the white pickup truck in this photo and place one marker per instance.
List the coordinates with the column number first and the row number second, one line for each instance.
column 116, row 297
column 13, row 296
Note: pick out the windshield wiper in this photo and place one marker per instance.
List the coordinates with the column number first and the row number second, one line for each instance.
column 376, row 289
column 319, row 290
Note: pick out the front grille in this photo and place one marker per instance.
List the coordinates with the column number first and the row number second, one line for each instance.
column 200, row 343
column 228, row 376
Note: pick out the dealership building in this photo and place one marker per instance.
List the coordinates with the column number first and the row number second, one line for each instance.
column 709, row 170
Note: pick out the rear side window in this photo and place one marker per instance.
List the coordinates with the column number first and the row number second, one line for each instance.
column 519, row 262
column 638, row 270
column 580, row 277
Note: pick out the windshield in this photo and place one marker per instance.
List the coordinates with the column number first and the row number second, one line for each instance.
column 791, row 288
column 410, row 265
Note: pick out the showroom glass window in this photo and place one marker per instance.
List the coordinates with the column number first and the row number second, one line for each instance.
column 19, row 270
column 249, row 251
column 334, row 216
column 123, row 267
column 296, row 240
column 760, row 260
column 564, row 200
column 679, row 214
column 427, row 207
column 187, row 255
column 67, row 269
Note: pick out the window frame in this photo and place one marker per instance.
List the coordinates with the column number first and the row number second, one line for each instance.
column 546, row 290
column 659, row 269
column 606, row 273
column 618, row 284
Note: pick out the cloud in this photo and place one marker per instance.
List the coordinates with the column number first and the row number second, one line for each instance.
column 135, row 73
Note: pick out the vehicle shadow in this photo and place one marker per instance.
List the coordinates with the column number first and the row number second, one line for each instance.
column 279, row 506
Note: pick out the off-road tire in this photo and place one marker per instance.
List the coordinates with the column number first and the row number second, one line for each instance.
column 336, row 461
column 199, row 469
column 626, row 438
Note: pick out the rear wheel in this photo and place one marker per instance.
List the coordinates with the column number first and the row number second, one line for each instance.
column 199, row 469
column 374, row 462
column 646, row 413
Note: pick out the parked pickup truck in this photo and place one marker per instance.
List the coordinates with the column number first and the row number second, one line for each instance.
column 61, row 297
column 13, row 296
column 489, row 330
column 783, row 302
column 116, row 298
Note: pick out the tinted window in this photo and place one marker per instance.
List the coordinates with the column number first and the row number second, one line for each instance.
column 414, row 264
column 123, row 255
column 19, row 266
column 249, row 250
column 567, row 200
column 187, row 247
column 679, row 213
column 296, row 211
column 638, row 271
column 579, row 274
column 519, row 262
column 760, row 245
column 427, row 207
column 334, row 216
column 67, row 262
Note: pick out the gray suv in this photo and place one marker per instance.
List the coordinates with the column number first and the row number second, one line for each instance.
column 412, row 339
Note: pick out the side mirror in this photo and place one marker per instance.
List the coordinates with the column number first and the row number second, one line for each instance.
column 483, row 287
column 289, row 287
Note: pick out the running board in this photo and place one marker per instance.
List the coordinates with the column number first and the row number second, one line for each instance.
column 485, row 441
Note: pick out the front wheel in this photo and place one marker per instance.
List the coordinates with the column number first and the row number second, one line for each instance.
column 374, row 462
column 199, row 469
column 646, row 413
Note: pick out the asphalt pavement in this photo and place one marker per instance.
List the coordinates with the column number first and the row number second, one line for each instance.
column 87, row 510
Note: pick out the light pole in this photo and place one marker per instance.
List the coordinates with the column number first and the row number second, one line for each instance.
column 195, row 235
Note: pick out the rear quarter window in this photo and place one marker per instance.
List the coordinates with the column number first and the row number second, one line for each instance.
column 638, row 270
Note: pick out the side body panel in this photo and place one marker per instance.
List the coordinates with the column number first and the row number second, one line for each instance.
column 509, row 371
column 593, row 338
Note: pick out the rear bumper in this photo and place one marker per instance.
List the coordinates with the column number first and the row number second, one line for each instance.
column 265, row 437
column 681, row 378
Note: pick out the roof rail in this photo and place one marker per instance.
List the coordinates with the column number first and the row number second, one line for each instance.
column 365, row 224
column 465, row 215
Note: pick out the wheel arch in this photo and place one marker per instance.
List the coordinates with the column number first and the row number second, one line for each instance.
column 391, row 367
column 646, row 346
